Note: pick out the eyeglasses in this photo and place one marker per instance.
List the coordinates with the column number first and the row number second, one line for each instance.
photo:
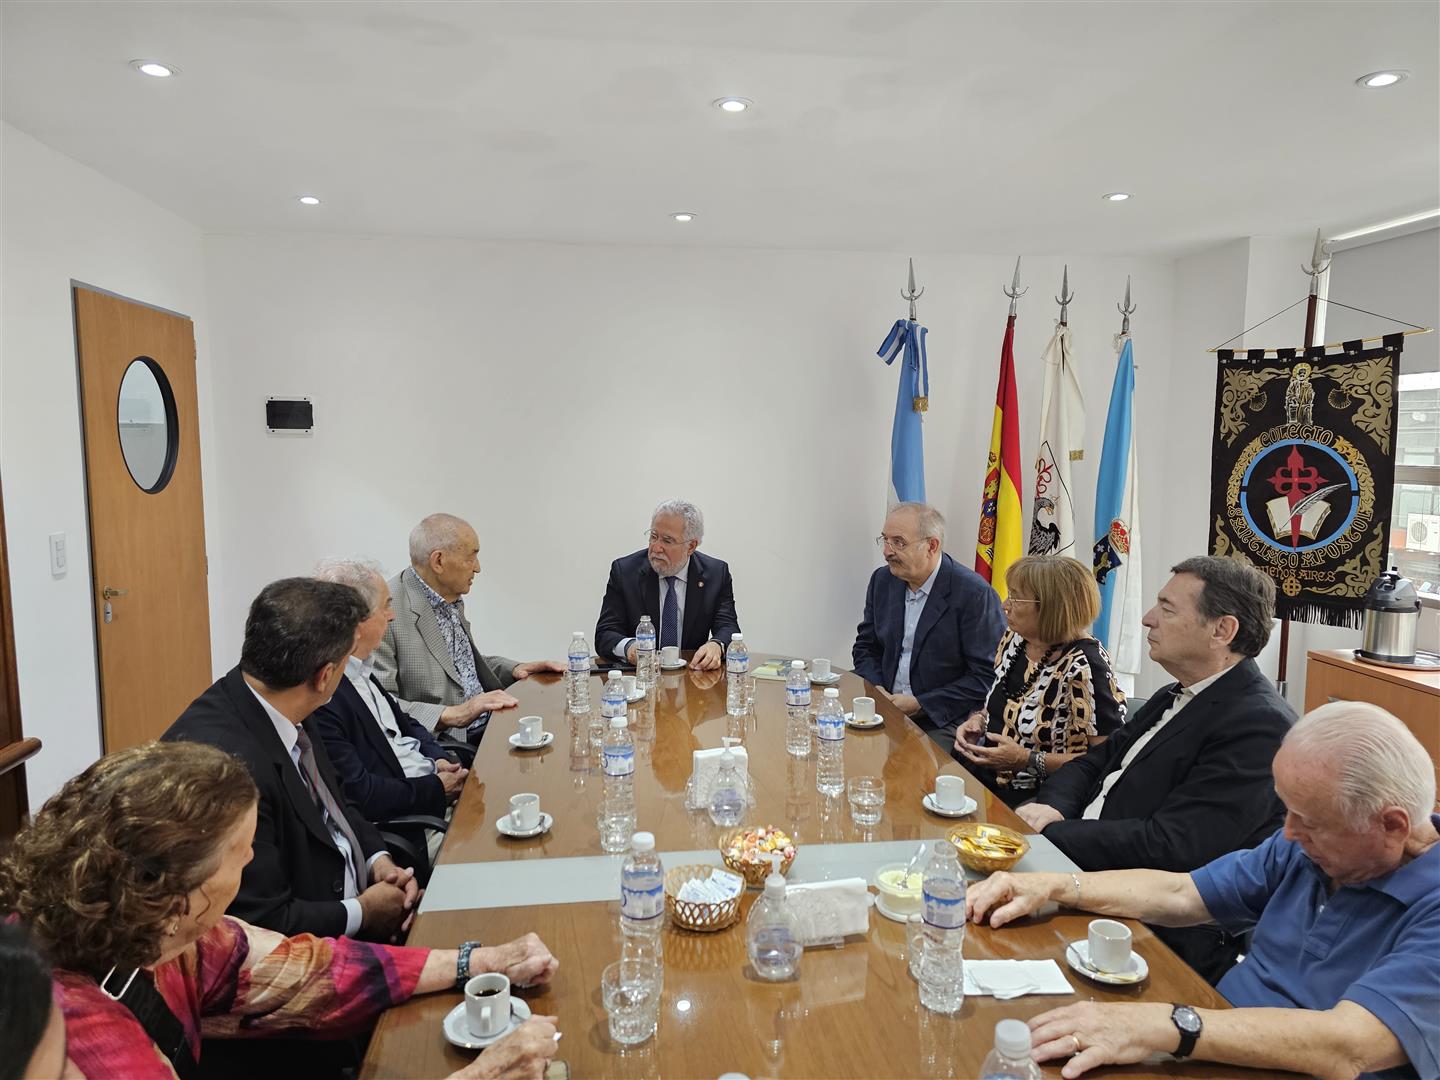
column 1017, row 600
column 894, row 543
column 669, row 541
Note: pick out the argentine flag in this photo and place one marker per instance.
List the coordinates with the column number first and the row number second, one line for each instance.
column 1117, row 532
column 907, row 448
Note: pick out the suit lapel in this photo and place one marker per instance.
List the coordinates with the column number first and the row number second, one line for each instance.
column 892, row 624
column 428, row 629
column 690, row 629
column 936, row 604
column 1198, row 711
column 650, row 594
column 373, row 733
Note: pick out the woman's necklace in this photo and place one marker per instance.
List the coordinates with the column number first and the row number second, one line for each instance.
column 1040, row 667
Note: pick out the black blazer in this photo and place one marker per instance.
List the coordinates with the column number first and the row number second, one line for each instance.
column 634, row 590
column 366, row 762
column 296, row 880
column 952, row 659
column 1199, row 789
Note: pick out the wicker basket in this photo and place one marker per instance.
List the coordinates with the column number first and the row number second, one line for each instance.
column 987, row 862
column 754, row 873
column 690, row 914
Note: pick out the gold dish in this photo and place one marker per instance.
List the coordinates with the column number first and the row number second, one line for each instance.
column 754, row 873
column 988, row 848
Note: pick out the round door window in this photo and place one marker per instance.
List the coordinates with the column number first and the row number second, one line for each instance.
column 148, row 435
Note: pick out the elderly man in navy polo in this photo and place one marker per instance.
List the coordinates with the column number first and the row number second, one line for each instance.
column 1342, row 978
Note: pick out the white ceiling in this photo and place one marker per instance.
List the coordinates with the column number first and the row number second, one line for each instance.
column 877, row 126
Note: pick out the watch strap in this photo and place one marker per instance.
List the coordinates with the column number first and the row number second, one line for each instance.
column 462, row 963
column 1187, row 1038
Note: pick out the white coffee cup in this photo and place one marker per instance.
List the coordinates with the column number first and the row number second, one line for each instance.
column 670, row 655
column 950, row 792
column 530, row 730
column 524, row 811
column 820, row 669
column 629, row 681
column 487, row 1005
column 863, row 709
column 1110, row 945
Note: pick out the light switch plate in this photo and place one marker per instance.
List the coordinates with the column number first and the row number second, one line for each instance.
column 59, row 563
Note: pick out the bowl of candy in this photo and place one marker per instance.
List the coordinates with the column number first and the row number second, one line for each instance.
column 750, row 852
column 988, row 848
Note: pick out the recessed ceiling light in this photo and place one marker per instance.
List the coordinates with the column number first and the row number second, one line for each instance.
column 154, row 68
column 683, row 215
column 309, row 200
column 1376, row 80
column 1116, row 196
column 732, row 104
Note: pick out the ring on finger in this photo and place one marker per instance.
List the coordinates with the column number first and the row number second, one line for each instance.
column 1076, row 1039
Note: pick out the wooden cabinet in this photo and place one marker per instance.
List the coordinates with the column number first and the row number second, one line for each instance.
column 1413, row 696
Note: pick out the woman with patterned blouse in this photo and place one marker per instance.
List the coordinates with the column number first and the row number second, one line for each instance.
column 122, row 880
column 1054, row 695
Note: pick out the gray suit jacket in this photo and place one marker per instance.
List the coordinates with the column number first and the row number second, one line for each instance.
column 413, row 663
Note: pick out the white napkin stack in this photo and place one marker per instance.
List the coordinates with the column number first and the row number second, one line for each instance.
column 830, row 910
column 1001, row 976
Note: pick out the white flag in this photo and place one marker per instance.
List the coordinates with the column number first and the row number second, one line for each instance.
column 1062, row 435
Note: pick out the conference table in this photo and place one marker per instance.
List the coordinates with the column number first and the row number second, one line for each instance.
column 854, row 1010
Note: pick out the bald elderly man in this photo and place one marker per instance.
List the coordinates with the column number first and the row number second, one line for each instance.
column 1341, row 979
column 427, row 659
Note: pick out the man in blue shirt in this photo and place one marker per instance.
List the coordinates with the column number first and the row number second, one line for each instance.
column 1342, row 978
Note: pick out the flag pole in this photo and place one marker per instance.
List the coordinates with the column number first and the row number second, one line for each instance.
column 1014, row 292
column 1126, row 309
column 1065, row 297
column 910, row 293
column 1319, row 264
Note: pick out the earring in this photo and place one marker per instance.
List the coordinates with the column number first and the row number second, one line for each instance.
column 173, row 928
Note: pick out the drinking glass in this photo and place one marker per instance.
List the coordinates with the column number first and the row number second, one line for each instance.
column 631, row 992
column 867, row 799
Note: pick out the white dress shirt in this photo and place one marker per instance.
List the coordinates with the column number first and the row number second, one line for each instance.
column 681, row 576
column 1187, row 694
column 405, row 747
column 290, row 736
column 914, row 608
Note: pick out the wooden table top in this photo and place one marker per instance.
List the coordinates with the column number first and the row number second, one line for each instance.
column 854, row 1011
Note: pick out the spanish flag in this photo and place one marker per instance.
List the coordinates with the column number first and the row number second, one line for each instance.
column 998, row 544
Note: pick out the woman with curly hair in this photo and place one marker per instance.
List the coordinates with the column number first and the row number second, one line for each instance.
column 1054, row 695
column 123, row 879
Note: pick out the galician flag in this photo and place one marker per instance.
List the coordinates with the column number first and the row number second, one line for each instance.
column 998, row 542
column 1062, row 434
column 907, row 449
column 1117, row 528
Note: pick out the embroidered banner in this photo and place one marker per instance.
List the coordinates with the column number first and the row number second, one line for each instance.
column 1303, row 472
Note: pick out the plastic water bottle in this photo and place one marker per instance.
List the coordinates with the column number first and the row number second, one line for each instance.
column 772, row 936
column 728, row 792
column 577, row 679
column 830, row 727
column 642, row 901
column 613, row 703
column 797, row 710
column 942, row 962
column 737, row 667
column 617, row 804
column 646, row 659
column 1010, row 1060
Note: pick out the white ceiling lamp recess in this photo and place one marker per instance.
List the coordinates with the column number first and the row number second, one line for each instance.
column 683, row 216
column 732, row 104
column 1378, row 80
column 154, row 68
column 1117, row 196
column 308, row 200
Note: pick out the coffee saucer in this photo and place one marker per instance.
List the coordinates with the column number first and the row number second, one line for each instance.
column 1077, row 955
column 524, row 834
column 457, row 1031
column 875, row 721
column 638, row 695
column 829, row 680
column 933, row 805
column 677, row 666
column 890, row 913
column 545, row 740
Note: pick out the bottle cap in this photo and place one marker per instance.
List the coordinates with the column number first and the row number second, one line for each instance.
column 643, row 841
column 832, row 692
column 1012, row 1038
column 735, row 637
column 775, row 887
column 797, row 664
column 577, row 633
column 618, row 722
column 613, row 675
column 943, row 847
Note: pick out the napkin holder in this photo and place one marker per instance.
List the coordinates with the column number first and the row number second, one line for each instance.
column 704, row 765
column 830, row 911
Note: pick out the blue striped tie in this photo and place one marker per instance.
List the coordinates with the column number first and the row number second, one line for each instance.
column 669, row 616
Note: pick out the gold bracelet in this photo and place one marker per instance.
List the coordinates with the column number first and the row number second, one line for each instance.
column 1075, row 878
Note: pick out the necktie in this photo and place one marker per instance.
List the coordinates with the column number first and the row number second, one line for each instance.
column 670, row 616
column 325, row 802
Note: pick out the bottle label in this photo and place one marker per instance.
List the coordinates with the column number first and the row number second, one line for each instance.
column 639, row 901
column 737, row 665
column 944, row 912
column 619, row 760
column 644, row 639
column 797, row 697
column 831, row 728
column 579, row 662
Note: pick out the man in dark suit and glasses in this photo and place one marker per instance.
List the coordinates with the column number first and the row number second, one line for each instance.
column 931, row 626
column 688, row 596
column 1188, row 778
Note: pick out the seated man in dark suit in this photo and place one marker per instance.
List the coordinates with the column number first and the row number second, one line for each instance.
column 931, row 626
column 390, row 764
column 697, row 608
column 318, row 865
column 1188, row 778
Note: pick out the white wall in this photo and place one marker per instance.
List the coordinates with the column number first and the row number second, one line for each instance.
column 62, row 220
column 552, row 395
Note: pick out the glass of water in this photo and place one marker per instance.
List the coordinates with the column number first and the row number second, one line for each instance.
column 631, row 992
column 867, row 799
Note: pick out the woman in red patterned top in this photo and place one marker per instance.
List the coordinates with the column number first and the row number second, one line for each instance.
column 123, row 879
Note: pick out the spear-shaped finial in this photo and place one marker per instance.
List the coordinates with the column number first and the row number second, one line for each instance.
column 1065, row 297
column 1319, row 263
column 1126, row 309
column 910, row 293
column 1015, row 292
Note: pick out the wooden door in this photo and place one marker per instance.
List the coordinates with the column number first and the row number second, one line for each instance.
column 147, row 523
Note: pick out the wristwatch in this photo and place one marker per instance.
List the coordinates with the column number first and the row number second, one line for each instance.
column 1187, row 1022
column 1037, row 765
column 462, row 963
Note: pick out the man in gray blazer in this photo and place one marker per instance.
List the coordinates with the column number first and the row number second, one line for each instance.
column 428, row 660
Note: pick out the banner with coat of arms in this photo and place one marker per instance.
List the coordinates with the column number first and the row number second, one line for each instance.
column 1303, row 473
